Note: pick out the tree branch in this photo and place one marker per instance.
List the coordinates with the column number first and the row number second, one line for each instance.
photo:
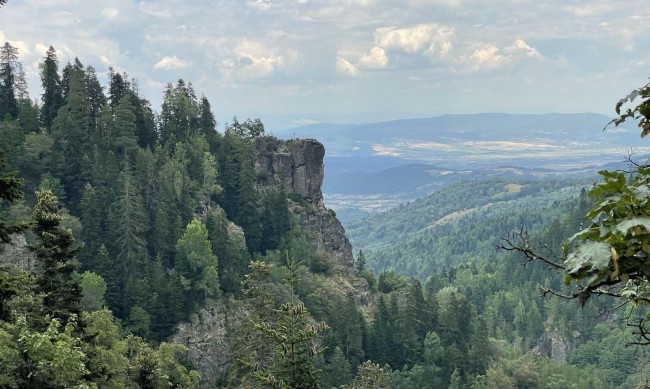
column 508, row 244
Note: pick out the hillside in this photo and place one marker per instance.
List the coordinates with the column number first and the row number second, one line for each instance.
column 460, row 224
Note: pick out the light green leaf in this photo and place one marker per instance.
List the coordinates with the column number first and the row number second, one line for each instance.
column 588, row 256
column 625, row 225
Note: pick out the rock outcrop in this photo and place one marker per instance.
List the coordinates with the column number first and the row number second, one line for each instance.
column 297, row 165
column 206, row 337
column 16, row 254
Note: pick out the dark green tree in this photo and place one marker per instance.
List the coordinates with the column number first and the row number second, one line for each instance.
column 295, row 339
column 55, row 255
column 9, row 68
column 52, row 93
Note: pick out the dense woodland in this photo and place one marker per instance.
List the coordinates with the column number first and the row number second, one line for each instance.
column 129, row 216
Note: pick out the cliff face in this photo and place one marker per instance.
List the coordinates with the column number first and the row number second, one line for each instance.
column 297, row 165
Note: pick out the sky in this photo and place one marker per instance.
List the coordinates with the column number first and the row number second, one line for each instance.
column 301, row 61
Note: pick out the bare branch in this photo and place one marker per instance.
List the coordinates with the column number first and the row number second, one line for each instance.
column 508, row 243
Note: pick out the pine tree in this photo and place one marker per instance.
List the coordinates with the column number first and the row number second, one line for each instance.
column 55, row 255
column 52, row 93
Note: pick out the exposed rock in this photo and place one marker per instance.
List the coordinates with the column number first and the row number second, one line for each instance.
column 205, row 335
column 15, row 254
column 297, row 165
column 554, row 345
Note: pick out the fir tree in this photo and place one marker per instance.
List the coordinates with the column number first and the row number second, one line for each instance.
column 52, row 93
column 9, row 66
column 55, row 254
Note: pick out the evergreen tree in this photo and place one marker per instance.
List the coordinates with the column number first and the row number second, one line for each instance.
column 125, row 142
column 92, row 232
column 55, row 254
column 72, row 137
column 96, row 97
column 233, row 257
column 208, row 124
column 118, row 87
column 52, row 93
column 360, row 263
column 9, row 67
column 196, row 266
column 294, row 336
column 338, row 371
column 129, row 225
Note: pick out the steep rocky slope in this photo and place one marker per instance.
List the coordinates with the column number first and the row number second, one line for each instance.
column 297, row 165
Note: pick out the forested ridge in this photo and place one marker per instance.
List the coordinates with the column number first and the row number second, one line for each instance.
column 119, row 222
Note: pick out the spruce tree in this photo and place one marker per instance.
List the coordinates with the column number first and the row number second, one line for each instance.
column 52, row 93
column 55, row 255
column 295, row 339
column 9, row 66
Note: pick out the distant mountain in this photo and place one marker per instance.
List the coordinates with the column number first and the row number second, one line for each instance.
column 378, row 165
column 487, row 139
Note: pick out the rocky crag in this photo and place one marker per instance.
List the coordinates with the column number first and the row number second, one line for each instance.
column 297, row 166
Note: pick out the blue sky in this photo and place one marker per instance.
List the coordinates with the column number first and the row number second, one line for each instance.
column 362, row 58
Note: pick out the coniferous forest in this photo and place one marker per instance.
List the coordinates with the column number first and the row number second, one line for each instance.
column 122, row 222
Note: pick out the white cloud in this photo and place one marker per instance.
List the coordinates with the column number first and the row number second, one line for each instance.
column 375, row 59
column 154, row 9
column 110, row 13
column 520, row 47
column 252, row 60
column 486, row 58
column 346, row 67
column 171, row 63
column 413, row 39
column 489, row 56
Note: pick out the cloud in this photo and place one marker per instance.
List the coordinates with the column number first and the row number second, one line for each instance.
column 346, row 67
column 520, row 47
column 253, row 60
column 154, row 9
column 387, row 151
column 375, row 59
column 171, row 63
column 110, row 13
column 413, row 39
column 489, row 56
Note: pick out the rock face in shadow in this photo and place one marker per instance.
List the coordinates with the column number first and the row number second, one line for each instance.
column 297, row 165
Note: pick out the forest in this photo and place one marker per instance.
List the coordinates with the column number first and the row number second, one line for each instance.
column 121, row 223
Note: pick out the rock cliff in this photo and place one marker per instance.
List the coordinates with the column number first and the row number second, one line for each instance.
column 297, row 164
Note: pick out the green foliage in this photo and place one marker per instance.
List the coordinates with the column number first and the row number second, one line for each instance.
column 371, row 376
column 55, row 254
column 10, row 191
column 460, row 224
column 93, row 288
column 295, row 338
column 196, row 266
